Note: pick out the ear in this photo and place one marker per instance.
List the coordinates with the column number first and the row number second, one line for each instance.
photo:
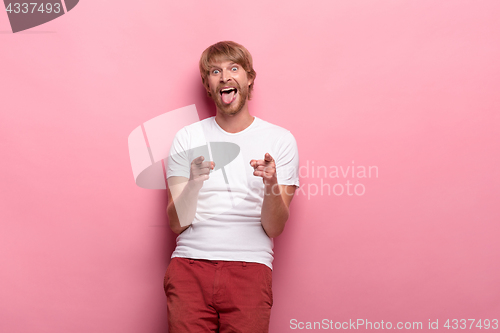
column 209, row 94
column 206, row 89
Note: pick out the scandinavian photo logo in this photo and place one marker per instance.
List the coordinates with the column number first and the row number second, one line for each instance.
column 334, row 180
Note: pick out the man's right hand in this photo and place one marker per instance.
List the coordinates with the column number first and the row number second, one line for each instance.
column 200, row 172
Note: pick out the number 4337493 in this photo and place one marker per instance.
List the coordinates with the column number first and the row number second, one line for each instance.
column 471, row 323
column 33, row 8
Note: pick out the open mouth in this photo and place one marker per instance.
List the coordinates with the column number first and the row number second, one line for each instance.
column 228, row 94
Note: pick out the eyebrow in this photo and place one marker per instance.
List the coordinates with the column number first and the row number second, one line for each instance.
column 230, row 65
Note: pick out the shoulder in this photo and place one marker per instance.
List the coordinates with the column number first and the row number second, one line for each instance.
column 202, row 123
column 277, row 131
column 195, row 128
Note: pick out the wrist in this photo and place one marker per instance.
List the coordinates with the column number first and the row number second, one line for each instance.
column 272, row 189
column 193, row 187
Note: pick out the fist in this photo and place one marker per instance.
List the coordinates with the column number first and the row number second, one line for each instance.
column 266, row 169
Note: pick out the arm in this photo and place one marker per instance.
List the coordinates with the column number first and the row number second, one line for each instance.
column 177, row 197
column 183, row 195
column 277, row 198
column 275, row 209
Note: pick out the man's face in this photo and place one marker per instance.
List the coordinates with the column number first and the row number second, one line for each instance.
column 228, row 84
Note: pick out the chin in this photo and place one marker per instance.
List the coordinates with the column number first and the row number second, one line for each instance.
column 230, row 110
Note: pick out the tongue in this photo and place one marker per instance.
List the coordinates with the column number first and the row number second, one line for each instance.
column 227, row 98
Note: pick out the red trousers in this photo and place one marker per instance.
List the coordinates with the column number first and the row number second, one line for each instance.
column 218, row 296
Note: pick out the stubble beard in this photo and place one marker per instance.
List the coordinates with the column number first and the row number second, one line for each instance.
column 230, row 109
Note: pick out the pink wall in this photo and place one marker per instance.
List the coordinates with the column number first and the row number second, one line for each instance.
column 409, row 87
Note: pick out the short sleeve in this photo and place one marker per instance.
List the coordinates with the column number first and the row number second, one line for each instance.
column 287, row 161
column 178, row 160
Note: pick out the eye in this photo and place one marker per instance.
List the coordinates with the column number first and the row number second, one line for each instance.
column 234, row 69
column 215, row 71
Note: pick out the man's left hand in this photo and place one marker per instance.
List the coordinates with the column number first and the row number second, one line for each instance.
column 266, row 169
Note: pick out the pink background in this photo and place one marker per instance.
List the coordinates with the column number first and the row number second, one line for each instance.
column 411, row 87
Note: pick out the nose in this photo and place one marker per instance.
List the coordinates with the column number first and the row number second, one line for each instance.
column 225, row 76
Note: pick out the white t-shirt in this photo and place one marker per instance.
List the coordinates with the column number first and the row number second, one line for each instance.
column 227, row 224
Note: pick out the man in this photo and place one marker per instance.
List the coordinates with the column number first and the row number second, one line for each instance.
column 231, row 180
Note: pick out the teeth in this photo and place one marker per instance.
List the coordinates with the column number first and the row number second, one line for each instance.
column 227, row 89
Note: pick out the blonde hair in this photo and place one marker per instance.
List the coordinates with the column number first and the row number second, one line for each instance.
column 230, row 51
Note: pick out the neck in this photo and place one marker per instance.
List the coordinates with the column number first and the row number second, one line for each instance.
column 236, row 122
